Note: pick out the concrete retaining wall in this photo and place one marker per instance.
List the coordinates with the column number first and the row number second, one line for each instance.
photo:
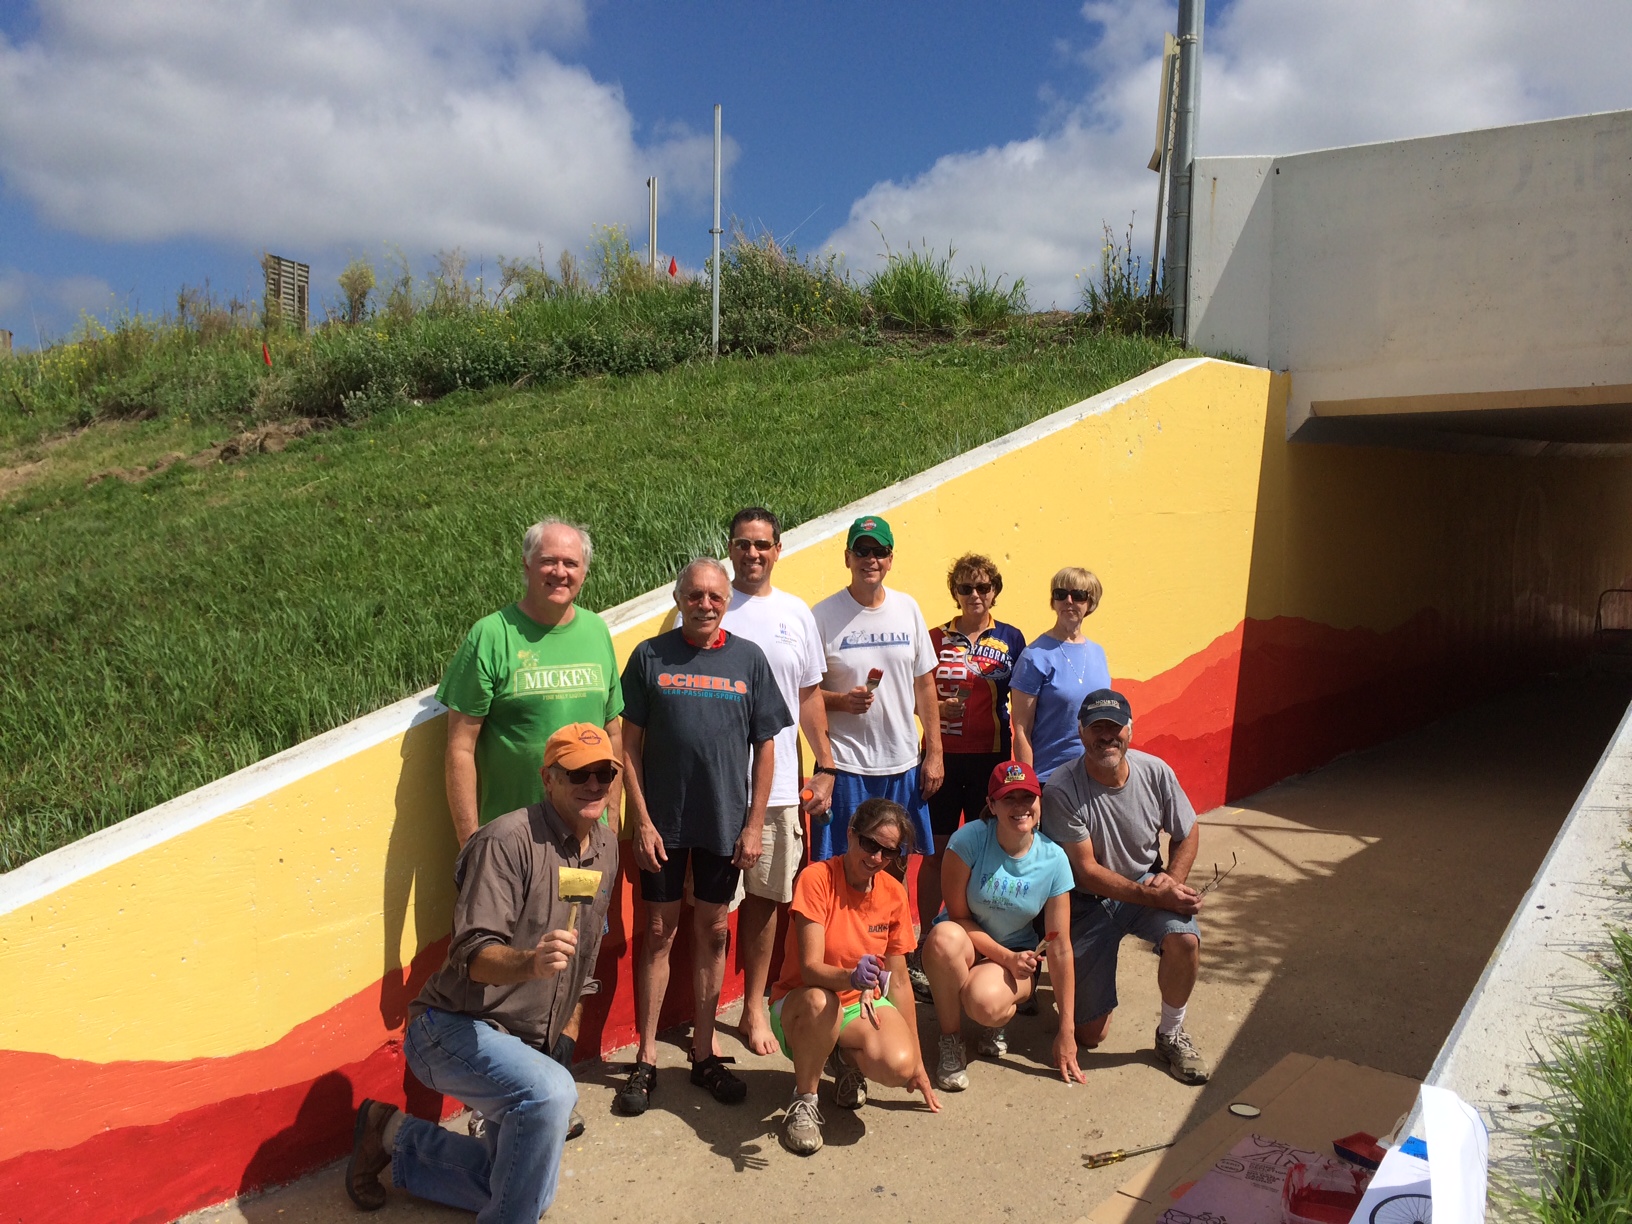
column 1492, row 261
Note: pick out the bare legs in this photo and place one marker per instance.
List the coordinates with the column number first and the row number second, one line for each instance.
column 987, row 993
column 810, row 1019
column 710, row 937
column 756, row 935
column 929, row 885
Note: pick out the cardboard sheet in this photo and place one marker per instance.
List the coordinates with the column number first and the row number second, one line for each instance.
column 1306, row 1102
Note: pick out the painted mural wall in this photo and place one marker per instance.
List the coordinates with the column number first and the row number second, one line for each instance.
column 197, row 999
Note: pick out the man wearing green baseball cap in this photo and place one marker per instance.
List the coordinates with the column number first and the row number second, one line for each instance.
column 880, row 671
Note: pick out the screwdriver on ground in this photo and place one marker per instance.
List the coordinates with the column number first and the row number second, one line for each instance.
column 1100, row 1159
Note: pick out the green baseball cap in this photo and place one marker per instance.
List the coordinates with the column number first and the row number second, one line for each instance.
column 874, row 528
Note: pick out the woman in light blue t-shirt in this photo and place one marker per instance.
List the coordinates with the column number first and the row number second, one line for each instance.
column 982, row 956
column 1054, row 674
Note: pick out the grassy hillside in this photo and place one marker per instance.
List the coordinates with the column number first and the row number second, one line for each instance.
column 174, row 621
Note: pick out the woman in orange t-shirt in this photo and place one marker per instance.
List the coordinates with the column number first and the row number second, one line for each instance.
column 846, row 962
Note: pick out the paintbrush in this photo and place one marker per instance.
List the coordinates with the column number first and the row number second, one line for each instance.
column 576, row 886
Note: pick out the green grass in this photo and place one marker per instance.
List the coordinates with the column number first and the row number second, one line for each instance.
column 1585, row 1152
column 157, row 634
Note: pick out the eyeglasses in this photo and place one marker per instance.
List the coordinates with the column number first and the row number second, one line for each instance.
column 744, row 545
column 969, row 588
column 877, row 848
column 699, row 598
column 870, row 551
column 604, row 774
column 1063, row 593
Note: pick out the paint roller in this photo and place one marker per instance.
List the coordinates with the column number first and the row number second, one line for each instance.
column 576, row 886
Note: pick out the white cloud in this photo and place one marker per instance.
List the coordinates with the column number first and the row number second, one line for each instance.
column 422, row 123
column 41, row 308
column 1279, row 76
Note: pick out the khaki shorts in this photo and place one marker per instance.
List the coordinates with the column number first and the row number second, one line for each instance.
column 784, row 847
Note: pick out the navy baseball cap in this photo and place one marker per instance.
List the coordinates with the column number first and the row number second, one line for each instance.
column 1105, row 705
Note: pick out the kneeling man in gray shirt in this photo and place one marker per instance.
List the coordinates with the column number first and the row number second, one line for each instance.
column 1108, row 810
column 484, row 1028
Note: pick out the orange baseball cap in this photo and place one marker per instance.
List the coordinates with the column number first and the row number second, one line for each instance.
column 578, row 746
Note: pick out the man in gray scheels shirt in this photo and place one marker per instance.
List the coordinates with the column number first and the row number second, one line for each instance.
column 485, row 1025
column 1108, row 810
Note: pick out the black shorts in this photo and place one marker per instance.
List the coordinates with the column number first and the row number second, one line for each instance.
column 713, row 878
column 963, row 794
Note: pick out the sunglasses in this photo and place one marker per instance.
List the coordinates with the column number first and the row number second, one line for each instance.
column 1063, row 593
column 870, row 551
column 604, row 774
column 969, row 588
column 744, row 545
column 878, row 848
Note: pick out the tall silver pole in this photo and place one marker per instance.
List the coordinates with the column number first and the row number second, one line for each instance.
column 1192, row 15
column 714, row 268
column 651, row 232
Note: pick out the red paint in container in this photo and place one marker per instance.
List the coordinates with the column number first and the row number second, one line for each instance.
column 1323, row 1192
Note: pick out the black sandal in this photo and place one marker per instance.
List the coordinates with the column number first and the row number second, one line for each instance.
column 710, row 1073
column 636, row 1092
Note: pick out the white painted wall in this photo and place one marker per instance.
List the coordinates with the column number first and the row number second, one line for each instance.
column 1498, row 260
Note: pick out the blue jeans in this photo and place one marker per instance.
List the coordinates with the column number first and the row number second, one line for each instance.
column 527, row 1098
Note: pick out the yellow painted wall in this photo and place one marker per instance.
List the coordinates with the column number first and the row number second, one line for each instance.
column 1184, row 500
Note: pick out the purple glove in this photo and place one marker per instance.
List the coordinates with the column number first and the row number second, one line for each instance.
column 868, row 973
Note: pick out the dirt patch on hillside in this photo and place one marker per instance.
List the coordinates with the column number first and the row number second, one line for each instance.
column 262, row 440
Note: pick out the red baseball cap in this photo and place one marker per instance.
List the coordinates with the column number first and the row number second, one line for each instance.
column 1011, row 776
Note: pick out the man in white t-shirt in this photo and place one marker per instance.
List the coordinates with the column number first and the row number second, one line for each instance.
column 880, row 670
column 780, row 625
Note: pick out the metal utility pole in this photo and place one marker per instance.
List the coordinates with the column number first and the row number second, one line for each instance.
column 651, row 232
column 714, row 268
column 1192, row 14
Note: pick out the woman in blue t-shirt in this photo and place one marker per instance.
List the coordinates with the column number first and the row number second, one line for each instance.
column 1054, row 674
column 982, row 955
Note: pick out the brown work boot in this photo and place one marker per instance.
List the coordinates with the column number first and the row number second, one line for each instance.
column 368, row 1155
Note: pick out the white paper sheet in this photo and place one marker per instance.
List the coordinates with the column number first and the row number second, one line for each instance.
column 1400, row 1193
column 1458, row 1151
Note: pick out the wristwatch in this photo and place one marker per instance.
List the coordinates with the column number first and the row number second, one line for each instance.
column 825, row 769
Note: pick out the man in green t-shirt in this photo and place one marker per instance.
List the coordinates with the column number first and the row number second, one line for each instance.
column 520, row 675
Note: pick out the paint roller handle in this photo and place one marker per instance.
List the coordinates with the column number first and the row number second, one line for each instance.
column 554, row 952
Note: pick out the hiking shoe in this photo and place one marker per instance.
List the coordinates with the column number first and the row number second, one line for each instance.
column 368, row 1155
column 724, row 1087
column 636, row 1093
column 575, row 1124
column 802, row 1127
column 993, row 1043
column 951, row 1072
column 849, row 1084
column 918, row 978
column 1184, row 1061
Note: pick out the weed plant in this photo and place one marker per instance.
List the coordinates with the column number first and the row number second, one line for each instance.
column 1585, row 1151
column 1120, row 299
column 158, row 634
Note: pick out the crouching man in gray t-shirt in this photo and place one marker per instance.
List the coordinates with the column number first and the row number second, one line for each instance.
column 1108, row 810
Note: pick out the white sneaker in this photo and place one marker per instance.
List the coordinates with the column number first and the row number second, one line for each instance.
column 993, row 1043
column 802, row 1126
column 849, row 1084
column 951, row 1072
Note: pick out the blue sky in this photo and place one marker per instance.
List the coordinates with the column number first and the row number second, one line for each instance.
column 147, row 144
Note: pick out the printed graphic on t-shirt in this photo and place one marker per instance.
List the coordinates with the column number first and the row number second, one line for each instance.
column 697, row 684
column 1003, row 891
column 858, row 639
column 530, row 679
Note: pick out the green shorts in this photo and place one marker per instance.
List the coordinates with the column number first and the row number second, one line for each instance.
column 847, row 1015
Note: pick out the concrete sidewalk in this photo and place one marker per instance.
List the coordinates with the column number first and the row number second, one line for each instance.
column 1367, row 898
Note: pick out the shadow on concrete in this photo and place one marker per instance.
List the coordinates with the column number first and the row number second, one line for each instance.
column 1370, row 895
